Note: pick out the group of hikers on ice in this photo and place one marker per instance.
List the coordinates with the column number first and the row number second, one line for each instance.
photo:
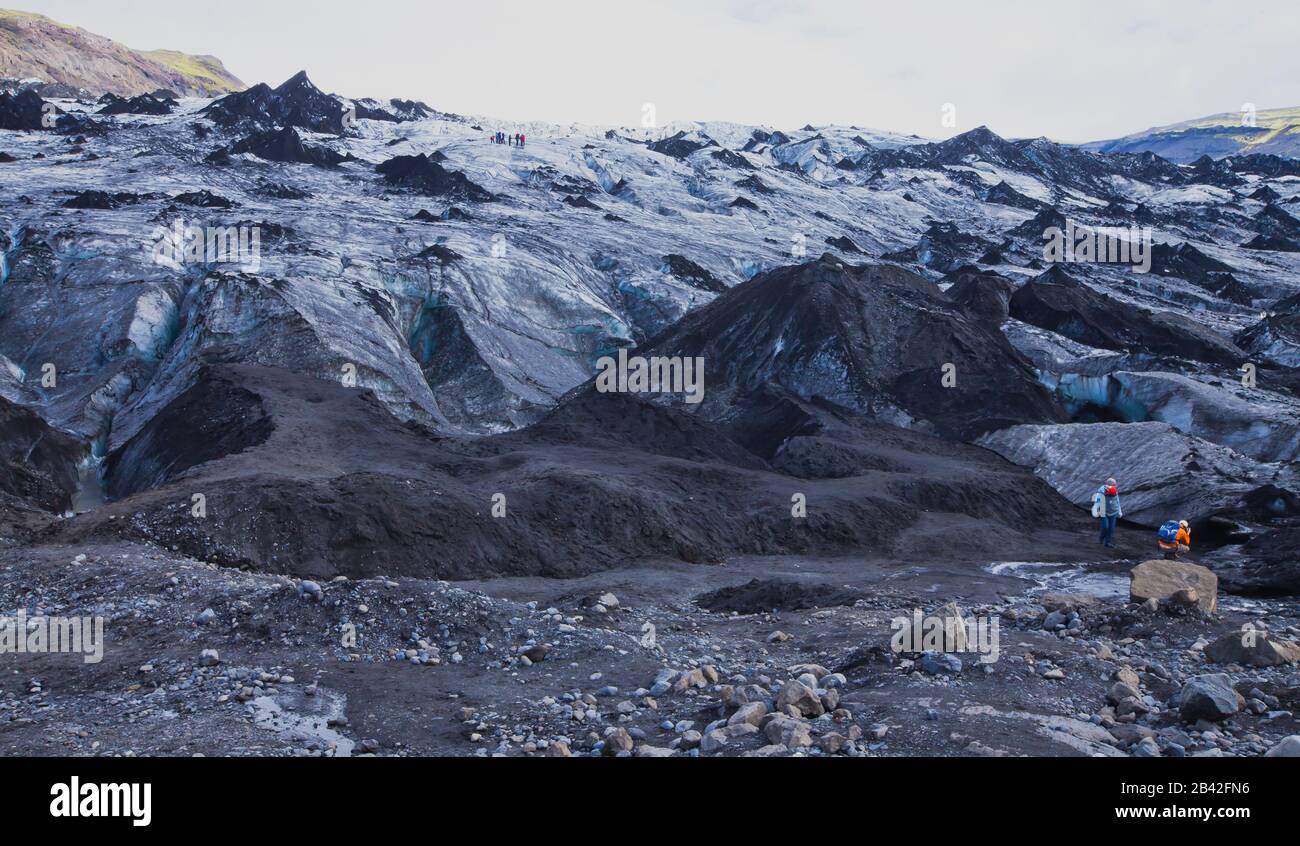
column 515, row 139
column 1173, row 537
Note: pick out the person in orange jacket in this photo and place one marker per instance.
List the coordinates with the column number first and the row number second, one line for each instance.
column 1181, row 542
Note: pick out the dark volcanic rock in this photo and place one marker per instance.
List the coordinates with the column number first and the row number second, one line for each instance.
column 1061, row 304
column 1185, row 262
column 692, row 274
column 732, row 158
column 423, row 174
column 762, row 596
column 279, row 191
column 1276, row 338
column 144, row 104
column 1212, row 171
column 1271, row 566
column 439, row 253
column 1265, row 164
column 280, row 145
column 1033, row 229
column 578, row 201
column 101, row 200
column 204, row 199
column 843, row 244
column 981, row 293
column 1272, row 222
column 212, row 419
column 873, row 340
column 680, row 146
column 305, row 476
column 21, row 111
column 943, row 247
column 1272, row 243
column 295, row 103
column 753, row 183
column 38, row 464
column 1004, row 194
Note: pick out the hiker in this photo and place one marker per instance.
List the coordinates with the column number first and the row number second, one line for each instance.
column 1174, row 537
column 521, row 139
column 1106, row 508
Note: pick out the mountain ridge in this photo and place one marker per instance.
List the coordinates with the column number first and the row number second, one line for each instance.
column 33, row 46
column 1275, row 131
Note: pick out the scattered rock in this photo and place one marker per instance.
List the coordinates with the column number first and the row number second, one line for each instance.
column 1209, row 697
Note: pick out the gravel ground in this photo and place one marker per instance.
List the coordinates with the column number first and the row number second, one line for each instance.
column 205, row 660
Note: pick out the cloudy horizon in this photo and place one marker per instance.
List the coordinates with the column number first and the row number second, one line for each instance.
column 1020, row 69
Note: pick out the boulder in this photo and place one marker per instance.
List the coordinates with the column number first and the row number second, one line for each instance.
column 1251, row 648
column 713, row 741
column 1289, row 747
column 1209, row 697
column 797, row 695
column 940, row 663
column 688, row 679
column 1160, row 580
column 618, row 740
column 751, row 714
column 1120, row 691
column 788, row 732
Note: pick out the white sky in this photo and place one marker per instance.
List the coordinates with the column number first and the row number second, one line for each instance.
column 1070, row 71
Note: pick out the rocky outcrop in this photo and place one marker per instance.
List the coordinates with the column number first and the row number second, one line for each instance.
column 1061, row 304
column 422, row 174
column 1275, row 338
column 295, row 102
column 142, row 104
column 38, row 464
column 35, row 47
column 981, row 293
column 279, row 145
column 25, row 110
column 1163, row 473
column 873, row 339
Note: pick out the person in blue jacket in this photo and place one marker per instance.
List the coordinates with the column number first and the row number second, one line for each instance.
column 1106, row 508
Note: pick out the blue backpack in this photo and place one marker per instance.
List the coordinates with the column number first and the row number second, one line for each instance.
column 1169, row 531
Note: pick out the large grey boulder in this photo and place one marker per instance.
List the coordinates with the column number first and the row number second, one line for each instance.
column 1251, row 648
column 794, row 694
column 1209, row 697
column 1288, row 747
column 1161, row 580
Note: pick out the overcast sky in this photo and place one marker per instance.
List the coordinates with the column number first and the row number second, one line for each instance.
column 1070, row 71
